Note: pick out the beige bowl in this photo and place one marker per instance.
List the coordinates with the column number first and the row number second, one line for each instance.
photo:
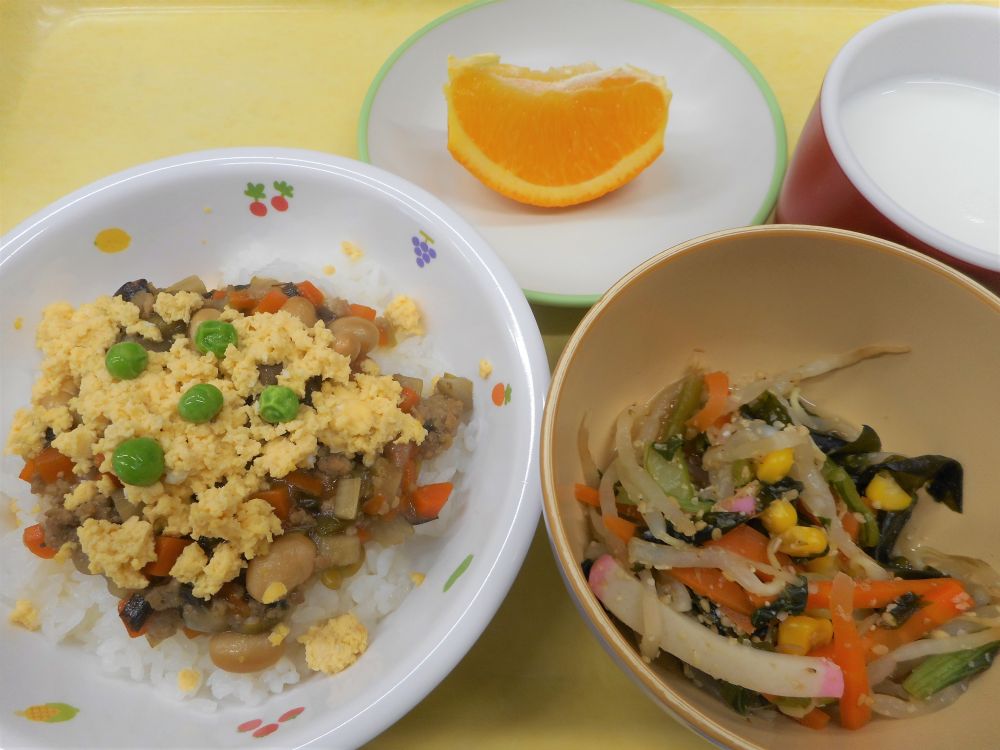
column 769, row 298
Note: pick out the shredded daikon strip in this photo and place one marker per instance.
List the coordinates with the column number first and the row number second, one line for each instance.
column 897, row 708
column 680, row 597
column 657, row 526
column 652, row 623
column 656, row 408
column 817, row 420
column 781, row 382
column 591, row 475
column 614, row 545
column 881, row 668
column 740, row 569
column 606, row 491
column 752, row 441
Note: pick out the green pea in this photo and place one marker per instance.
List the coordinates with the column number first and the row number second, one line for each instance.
column 200, row 403
column 126, row 360
column 278, row 404
column 138, row 461
column 215, row 336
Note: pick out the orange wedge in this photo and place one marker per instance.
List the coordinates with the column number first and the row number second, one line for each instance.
column 557, row 137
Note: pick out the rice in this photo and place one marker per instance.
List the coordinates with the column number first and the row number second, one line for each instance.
column 77, row 609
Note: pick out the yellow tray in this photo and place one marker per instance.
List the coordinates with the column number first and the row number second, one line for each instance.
column 90, row 87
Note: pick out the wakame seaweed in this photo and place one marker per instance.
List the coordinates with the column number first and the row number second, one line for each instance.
column 768, row 408
column 902, row 609
column 836, row 447
column 722, row 520
column 791, row 600
column 942, row 476
column 742, row 700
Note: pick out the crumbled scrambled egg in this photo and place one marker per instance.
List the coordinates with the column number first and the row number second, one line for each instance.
column 177, row 306
column 335, row 645
column 404, row 316
column 275, row 591
column 18, row 323
column 485, row 368
column 25, row 614
column 120, row 551
column 65, row 552
column 329, row 270
column 278, row 634
column 351, row 250
column 222, row 463
column 417, row 578
column 188, row 680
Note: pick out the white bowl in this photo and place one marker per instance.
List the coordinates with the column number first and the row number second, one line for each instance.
column 189, row 215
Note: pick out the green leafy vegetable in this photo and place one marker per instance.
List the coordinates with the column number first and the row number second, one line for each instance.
column 673, row 478
column 766, row 407
column 668, row 449
column 843, row 485
column 688, row 401
column 938, row 672
column 742, row 700
column 792, row 600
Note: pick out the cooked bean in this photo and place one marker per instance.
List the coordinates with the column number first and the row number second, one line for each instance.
column 205, row 313
column 242, row 653
column 364, row 331
column 347, row 345
column 302, row 309
column 188, row 284
column 289, row 562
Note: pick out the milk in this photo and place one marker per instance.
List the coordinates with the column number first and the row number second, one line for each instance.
column 934, row 148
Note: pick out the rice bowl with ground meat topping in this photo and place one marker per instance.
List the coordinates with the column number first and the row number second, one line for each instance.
column 239, row 468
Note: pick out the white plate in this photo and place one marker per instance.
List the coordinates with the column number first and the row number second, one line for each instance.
column 724, row 153
column 189, row 214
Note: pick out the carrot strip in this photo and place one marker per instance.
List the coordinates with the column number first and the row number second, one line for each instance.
column 429, row 499
column 815, row 719
column 408, row 400
column 851, row 525
column 34, row 539
column 410, row 472
column 168, row 549
column 280, row 499
column 273, row 301
column 944, row 603
column 587, row 495
column 872, row 594
column 308, row 290
column 717, row 386
column 363, row 311
column 713, row 585
column 51, row 465
column 621, row 528
column 849, row 655
column 308, row 483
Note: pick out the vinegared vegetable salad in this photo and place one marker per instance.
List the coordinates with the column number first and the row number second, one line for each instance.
column 224, row 458
column 758, row 540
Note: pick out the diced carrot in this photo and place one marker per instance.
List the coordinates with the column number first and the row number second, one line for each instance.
column 273, row 301
column 168, row 549
column 363, row 311
column 385, row 333
column 191, row 633
column 872, row 594
column 849, row 655
column 51, row 465
column 717, row 386
column 132, row 633
column 944, row 603
column 308, row 483
column 219, row 294
column 308, row 290
column 280, row 499
column 429, row 499
column 374, row 504
column 587, row 495
column 34, row 539
column 241, row 300
column 815, row 719
column 364, row 534
column 621, row 528
column 29, row 471
column 408, row 400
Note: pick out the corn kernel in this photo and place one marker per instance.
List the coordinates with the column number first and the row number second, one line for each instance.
column 800, row 634
column 804, row 541
column 775, row 465
column 826, row 565
column 886, row 494
column 779, row 517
